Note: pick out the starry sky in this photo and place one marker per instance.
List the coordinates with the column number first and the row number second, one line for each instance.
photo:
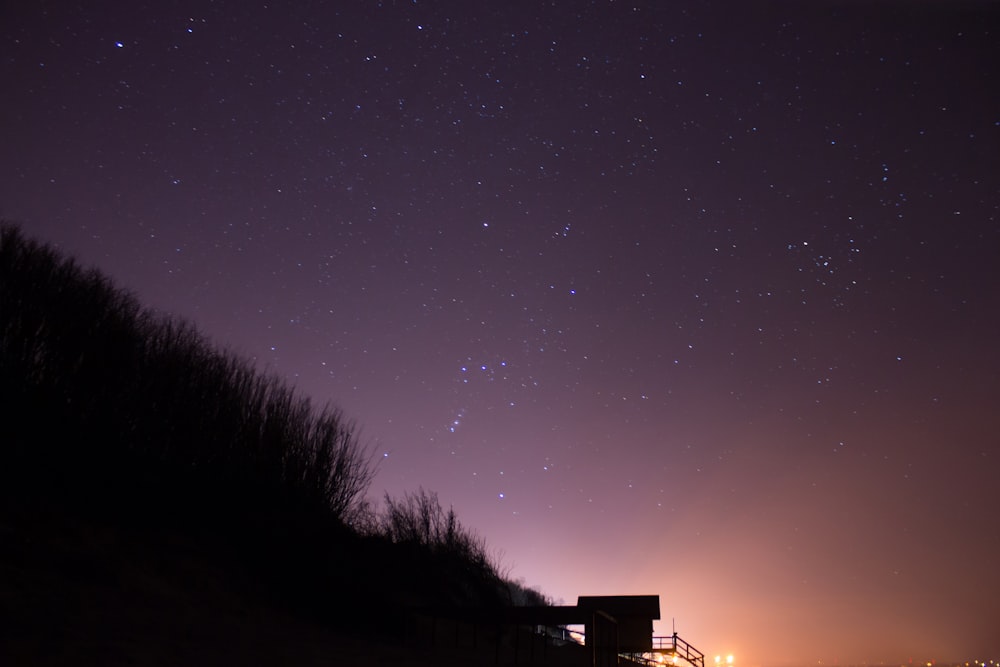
column 690, row 299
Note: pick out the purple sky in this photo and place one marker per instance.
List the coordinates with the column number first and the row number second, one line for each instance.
column 689, row 299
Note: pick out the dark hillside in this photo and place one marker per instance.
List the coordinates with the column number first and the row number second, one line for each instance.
column 101, row 395
column 153, row 487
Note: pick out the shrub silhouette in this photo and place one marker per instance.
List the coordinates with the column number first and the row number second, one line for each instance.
column 114, row 413
column 452, row 559
column 99, row 394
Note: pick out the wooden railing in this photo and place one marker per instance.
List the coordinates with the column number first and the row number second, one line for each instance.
column 674, row 645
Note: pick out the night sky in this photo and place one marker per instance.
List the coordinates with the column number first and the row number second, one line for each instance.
column 688, row 299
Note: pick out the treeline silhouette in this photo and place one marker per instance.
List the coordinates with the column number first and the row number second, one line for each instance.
column 112, row 412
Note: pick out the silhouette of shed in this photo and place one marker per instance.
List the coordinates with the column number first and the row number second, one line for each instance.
column 633, row 615
column 614, row 625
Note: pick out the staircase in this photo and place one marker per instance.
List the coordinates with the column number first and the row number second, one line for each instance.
column 669, row 650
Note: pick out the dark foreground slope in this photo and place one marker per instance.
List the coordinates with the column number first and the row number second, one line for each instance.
column 161, row 502
column 86, row 593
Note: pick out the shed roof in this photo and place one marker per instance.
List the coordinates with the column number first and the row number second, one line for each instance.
column 622, row 606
